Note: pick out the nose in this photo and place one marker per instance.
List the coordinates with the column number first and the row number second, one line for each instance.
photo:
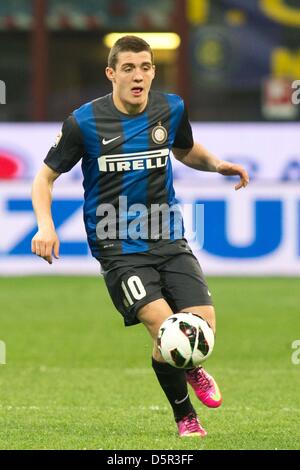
column 138, row 76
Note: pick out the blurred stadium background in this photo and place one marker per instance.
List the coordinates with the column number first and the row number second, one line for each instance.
column 234, row 62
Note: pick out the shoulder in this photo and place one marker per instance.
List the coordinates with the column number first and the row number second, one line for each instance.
column 87, row 110
column 170, row 97
column 175, row 102
column 174, row 99
column 168, row 102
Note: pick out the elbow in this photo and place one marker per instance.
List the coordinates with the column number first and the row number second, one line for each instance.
column 41, row 183
column 180, row 154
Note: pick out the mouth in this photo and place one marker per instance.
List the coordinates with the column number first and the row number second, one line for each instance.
column 137, row 91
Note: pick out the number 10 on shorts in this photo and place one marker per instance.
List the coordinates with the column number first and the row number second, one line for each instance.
column 133, row 289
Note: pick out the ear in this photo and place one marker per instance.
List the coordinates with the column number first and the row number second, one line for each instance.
column 110, row 73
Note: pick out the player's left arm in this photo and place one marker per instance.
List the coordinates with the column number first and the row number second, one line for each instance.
column 199, row 158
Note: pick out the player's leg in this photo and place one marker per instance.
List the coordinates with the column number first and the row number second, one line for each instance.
column 204, row 385
column 152, row 315
column 186, row 287
column 136, row 292
column 172, row 380
column 207, row 312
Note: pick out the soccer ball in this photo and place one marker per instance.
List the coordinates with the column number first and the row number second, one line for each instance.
column 185, row 340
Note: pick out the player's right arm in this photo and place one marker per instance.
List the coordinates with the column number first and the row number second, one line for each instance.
column 61, row 158
column 45, row 242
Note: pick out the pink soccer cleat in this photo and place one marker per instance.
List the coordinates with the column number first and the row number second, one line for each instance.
column 189, row 426
column 205, row 387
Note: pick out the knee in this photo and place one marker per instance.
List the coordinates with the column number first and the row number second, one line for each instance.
column 207, row 312
column 210, row 317
column 153, row 315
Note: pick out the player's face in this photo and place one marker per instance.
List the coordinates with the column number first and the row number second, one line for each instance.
column 131, row 81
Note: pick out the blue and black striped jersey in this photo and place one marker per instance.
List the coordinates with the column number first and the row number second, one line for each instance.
column 125, row 158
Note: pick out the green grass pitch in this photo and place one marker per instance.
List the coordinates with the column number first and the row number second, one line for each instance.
column 75, row 378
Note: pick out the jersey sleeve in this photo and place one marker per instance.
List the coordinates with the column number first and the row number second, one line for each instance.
column 68, row 149
column 184, row 135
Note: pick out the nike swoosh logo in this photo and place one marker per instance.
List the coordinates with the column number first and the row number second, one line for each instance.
column 181, row 401
column 106, row 142
column 217, row 395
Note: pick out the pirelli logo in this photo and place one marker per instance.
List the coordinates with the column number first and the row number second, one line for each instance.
column 134, row 161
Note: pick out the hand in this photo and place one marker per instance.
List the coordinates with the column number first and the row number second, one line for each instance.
column 230, row 169
column 44, row 243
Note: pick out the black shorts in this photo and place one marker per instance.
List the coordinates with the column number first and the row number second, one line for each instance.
column 170, row 271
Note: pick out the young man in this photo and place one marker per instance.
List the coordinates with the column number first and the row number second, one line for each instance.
column 124, row 140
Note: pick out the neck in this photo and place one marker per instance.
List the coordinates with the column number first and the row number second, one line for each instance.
column 128, row 108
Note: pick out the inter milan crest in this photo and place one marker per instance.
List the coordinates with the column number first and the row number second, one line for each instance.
column 159, row 134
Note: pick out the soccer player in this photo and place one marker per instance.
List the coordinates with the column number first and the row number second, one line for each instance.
column 124, row 141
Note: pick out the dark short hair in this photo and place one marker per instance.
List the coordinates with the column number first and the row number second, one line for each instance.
column 126, row 44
